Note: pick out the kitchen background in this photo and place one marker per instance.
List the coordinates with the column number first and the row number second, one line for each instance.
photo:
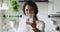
column 49, row 12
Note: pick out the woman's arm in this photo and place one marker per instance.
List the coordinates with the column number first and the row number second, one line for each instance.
column 36, row 30
column 41, row 26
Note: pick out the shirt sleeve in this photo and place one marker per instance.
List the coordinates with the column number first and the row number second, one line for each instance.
column 41, row 26
column 19, row 28
column 22, row 25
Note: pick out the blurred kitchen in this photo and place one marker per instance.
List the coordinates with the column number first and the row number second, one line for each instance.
column 10, row 15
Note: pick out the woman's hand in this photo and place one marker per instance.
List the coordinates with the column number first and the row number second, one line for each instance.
column 36, row 30
column 33, row 25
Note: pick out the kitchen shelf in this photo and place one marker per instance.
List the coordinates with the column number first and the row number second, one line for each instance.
column 53, row 15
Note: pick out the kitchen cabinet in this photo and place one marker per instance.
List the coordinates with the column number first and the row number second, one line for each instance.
column 54, row 7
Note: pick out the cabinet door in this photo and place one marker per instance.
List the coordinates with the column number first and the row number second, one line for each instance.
column 57, row 6
column 54, row 7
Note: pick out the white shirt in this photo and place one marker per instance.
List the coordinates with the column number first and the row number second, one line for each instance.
column 23, row 27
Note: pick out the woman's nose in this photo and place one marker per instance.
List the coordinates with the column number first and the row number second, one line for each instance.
column 29, row 12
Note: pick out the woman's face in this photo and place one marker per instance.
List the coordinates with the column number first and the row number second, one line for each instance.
column 29, row 11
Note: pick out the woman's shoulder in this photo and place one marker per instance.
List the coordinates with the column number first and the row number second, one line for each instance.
column 40, row 22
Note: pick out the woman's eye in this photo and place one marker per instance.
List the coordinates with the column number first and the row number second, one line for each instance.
column 26, row 10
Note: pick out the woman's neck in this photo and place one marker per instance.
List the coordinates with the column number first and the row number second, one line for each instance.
column 35, row 18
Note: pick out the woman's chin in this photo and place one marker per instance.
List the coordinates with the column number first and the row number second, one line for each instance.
column 29, row 17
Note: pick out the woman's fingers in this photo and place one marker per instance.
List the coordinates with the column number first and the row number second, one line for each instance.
column 28, row 23
column 33, row 25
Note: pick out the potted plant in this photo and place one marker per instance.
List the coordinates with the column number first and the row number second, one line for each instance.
column 13, row 5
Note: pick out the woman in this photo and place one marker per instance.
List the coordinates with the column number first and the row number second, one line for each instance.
column 30, row 10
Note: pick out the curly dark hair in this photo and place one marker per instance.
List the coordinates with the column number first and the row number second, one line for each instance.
column 32, row 4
